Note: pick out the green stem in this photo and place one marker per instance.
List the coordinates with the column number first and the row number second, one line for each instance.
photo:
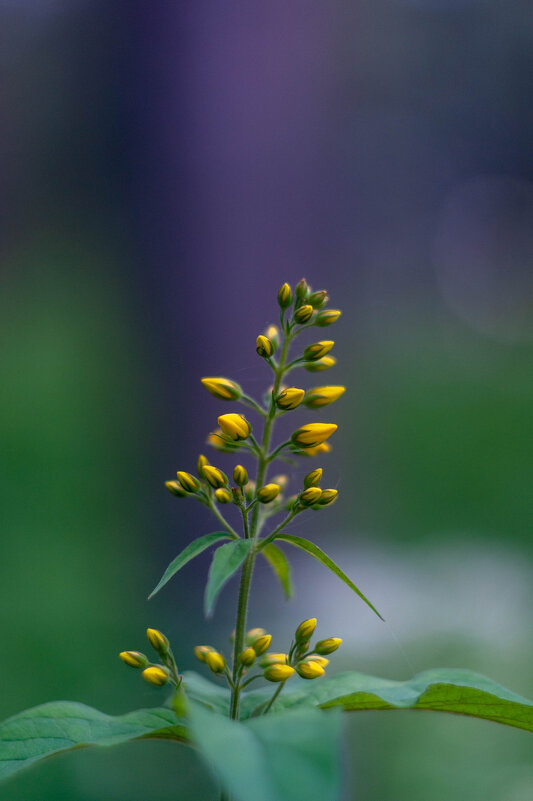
column 245, row 520
column 223, row 520
column 276, row 531
column 268, row 706
column 248, row 567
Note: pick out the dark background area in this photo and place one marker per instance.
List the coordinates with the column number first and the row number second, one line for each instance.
column 165, row 167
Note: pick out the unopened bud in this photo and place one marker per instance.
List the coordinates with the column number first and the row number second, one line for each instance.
column 200, row 464
column 253, row 635
column 272, row 333
column 321, row 364
column 318, row 350
column 176, row 489
column 134, row 659
column 313, row 478
column 313, row 434
column 327, row 316
column 215, row 662
column 327, row 497
column 317, row 299
column 309, row 670
column 219, row 442
column 303, row 314
column 264, row 346
column 223, row 495
column 278, row 672
column 158, row 641
column 321, row 660
column 157, row 674
column 187, row 481
column 322, row 396
column 201, row 651
column 247, row 657
column 290, row 398
column 310, row 496
column 240, row 476
column 268, row 493
column 273, row 659
column 262, row 644
column 324, row 647
column 235, row 426
column 302, row 289
column 249, row 490
column 214, row 476
column 305, row 630
column 222, row 388
column 285, row 296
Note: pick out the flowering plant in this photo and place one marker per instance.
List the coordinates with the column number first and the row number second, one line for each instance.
column 284, row 746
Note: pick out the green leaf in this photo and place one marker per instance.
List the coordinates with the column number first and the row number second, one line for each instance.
column 290, row 756
column 193, row 549
column 61, row 725
column 280, row 565
column 226, row 561
column 314, row 550
column 441, row 690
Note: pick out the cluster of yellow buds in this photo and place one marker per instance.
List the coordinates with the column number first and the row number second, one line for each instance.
column 308, row 662
column 156, row 674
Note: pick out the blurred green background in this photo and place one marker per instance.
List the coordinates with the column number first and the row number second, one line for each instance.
column 167, row 167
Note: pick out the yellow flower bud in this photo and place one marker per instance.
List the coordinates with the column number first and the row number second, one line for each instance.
column 218, row 441
column 278, row 672
column 262, row 644
column 200, row 464
column 134, row 659
column 320, row 660
column 158, row 641
column 249, row 490
column 324, row 447
column 313, row 434
column 240, row 476
column 268, row 493
column 285, row 296
column 303, row 314
column 322, row 396
column 324, row 647
column 214, row 476
column 290, row 398
column 215, row 662
column 176, row 489
column 253, row 635
column 310, row 496
column 302, row 289
column 235, row 426
column 187, row 481
column 321, row 364
column 305, row 630
column 272, row 333
column 282, row 479
column 157, row 674
column 328, row 496
column 223, row 495
column 222, row 388
column 313, row 478
column 247, row 657
column 309, row 670
column 201, row 651
column 327, row 316
column 318, row 350
column 273, row 659
column 317, row 299
column 264, row 346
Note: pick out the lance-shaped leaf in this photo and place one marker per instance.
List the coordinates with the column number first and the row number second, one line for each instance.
column 226, row 561
column 317, row 553
column 193, row 549
column 291, row 756
column 452, row 690
column 61, row 725
column 280, row 565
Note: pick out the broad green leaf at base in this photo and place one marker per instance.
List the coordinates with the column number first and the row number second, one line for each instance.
column 441, row 690
column 62, row 725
